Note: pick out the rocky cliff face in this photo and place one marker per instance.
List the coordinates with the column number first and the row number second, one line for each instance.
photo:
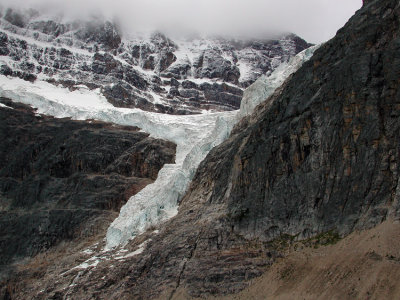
column 321, row 155
column 63, row 179
column 148, row 71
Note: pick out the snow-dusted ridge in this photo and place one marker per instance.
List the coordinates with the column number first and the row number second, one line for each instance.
column 195, row 136
column 175, row 74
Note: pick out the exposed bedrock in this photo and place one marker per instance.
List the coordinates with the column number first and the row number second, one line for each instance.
column 321, row 155
column 62, row 179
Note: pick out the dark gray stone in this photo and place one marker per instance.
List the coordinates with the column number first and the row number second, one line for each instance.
column 192, row 93
column 174, row 82
column 104, row 34
column 6, row 70
column 187, row 84
column 15, row 18
column 3, row 44
column 59, row 179
column 49, row 27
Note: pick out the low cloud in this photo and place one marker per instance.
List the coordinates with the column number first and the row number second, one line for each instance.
column 314, row 20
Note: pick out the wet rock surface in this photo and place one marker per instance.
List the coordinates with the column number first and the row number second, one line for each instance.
column 63, row 180
column 151, row 68
column 319, row 156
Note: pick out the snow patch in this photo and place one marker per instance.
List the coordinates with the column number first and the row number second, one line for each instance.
column 131, row 254
column 5, row 106
column 157, row 98
column 90, row 263
column 43, row 44
column 88, row 251
column 245, row 70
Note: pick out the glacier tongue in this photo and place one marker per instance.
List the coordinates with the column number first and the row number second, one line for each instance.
column 195, row 136
column 159, row 201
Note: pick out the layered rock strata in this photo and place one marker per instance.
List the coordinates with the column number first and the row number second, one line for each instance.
column 320, row 157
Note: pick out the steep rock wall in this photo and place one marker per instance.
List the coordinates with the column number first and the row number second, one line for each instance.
column 62, row 179
column 321, row 154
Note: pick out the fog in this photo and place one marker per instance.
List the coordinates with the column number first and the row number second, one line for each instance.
column 314, row 20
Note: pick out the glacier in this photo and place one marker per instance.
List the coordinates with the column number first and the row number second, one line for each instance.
column 194, row 135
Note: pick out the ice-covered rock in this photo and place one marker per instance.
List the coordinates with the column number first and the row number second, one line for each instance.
column 265, row 86
column 158, row 202
column 138, row 70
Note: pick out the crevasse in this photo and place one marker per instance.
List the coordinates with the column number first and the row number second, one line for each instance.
column 159, row 201
column 194, row 136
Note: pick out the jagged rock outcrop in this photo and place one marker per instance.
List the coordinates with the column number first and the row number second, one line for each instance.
column 62, row 179
column 320, row 155
column 147, row 72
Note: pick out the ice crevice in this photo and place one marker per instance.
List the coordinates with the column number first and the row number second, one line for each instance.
column 194, row 135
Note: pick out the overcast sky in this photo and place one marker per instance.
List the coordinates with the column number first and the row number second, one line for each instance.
column 313, row 20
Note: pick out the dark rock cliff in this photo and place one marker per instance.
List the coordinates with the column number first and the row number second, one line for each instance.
column 62, row 179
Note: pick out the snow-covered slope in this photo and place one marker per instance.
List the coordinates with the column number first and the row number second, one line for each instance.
column 144, row 70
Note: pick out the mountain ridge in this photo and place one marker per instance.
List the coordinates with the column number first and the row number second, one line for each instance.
column 150, row 72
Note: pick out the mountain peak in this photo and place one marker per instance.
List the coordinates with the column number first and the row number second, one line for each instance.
column 146, row 70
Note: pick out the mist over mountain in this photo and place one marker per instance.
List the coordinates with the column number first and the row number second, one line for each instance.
column 179, row 74
column 314, row 20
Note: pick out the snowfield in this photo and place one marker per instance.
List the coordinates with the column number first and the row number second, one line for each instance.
column 194, row 135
